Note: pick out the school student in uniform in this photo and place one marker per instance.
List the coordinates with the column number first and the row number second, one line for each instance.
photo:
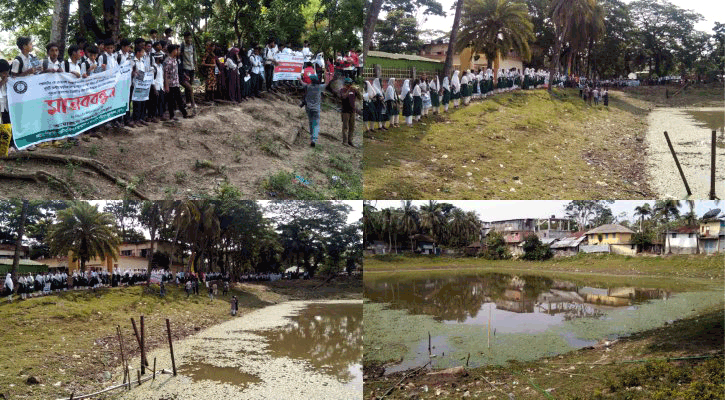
column 172, row 87
column 138, row 72
column 157, row 101
column 52, row 63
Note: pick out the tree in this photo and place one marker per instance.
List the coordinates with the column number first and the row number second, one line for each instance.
column 409, row 220
column 642, row 211
column 586, row 212
column 535, row 250
column 84, row 231
column 59, row 29
column 495, row 27
column 398, row 33
column 453, row 39
column 371, row 18
column 667, row 209
column 496, row 247
column 19, row 242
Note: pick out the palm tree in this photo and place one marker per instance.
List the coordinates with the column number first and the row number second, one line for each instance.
column 389, row 226
column 668, row 209
column 431, row 219
column 86, row 232
column 19, row 242
column 642, row 211
column 570, row 18
column 495, row 27
column 451, row 43
column 197, row 224
column 409, row 220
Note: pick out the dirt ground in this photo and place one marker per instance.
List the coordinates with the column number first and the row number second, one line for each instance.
column 259, row 148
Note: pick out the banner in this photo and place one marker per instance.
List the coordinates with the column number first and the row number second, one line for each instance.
column 142, row 87
column 288, row 68
column 54, row 106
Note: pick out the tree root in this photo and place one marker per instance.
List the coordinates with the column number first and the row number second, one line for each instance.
column 95, row 165
column 38, row 177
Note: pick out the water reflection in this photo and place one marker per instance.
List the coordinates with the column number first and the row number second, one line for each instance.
column 328, row 336
column 467, row 299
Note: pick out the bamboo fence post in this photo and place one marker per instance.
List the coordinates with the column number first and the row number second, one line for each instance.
column 171, row 346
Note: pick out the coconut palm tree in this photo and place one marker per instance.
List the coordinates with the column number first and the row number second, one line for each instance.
column 642, row 211
column 495, row 27
column 668, row 209
column 86, row 232
column 197, row 224
column 389, row 225
column 432, row 220
column 409, row 220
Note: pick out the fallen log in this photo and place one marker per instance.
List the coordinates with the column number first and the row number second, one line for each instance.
column 38, row 177
column 95, row 165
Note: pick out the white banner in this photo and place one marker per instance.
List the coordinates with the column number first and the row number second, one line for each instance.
column 142, row 87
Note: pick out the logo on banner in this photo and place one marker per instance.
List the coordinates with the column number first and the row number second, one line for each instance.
column 20, row 87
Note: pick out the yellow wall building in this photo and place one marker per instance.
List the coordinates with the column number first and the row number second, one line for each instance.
column 609, row 234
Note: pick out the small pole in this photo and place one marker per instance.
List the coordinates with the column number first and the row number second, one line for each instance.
column 171, row 346
column 468, row 358
column 677, row 162
column 489, row 326
column 71, row 395
column 154, row 369
column 138, row 376
column 712, row 167
column 143, row 350
column 138, row 339
column 429, row 344
column 120, row 342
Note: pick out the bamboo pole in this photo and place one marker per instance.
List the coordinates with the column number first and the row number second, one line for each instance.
column 429, row 352
column 143, row 350
column 712, row 167
column 677, row 162
column 171, row 346
column 154, row 368
column 489, row 326
column 138, row 376
column 108, row 389
column 123, row 357
column 138, row 340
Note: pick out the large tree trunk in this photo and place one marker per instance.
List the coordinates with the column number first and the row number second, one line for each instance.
column 555, row 61
column 59, row 27
column 452, row 42
column 19, row 242
column 369, row 28
column 84, row 8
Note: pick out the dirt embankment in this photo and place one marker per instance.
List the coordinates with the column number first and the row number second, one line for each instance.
column 257, row 147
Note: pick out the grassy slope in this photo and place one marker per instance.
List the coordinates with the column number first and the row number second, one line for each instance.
column 674, row 272
column 590, row 374
column 556, row 145
column 71, row 338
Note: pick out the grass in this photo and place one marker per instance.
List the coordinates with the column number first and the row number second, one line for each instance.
column 631, row 369
column 694, row 96
column 682, row 272
column 514, row 145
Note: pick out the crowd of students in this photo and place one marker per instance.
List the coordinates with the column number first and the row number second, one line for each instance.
column 235, row 74
column 424, row 95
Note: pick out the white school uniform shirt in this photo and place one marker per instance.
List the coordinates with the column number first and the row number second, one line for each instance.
column 256, row 61
column 287, row 50
column 4, row 97
column 269, row 54
column 56, row 65
column 230, row 63
column 307, row 54
column 110, row 62
column 73, row 67
column 15, row 66
column 159, row 78
column 139, row 64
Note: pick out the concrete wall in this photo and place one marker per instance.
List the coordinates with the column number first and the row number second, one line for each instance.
column 681, row 244
column 609, row 238
column 624, row 249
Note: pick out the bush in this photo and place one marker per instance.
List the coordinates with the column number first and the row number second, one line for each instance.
column 496, row 249
column 535, row 250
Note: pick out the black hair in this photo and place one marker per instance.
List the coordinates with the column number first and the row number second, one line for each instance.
column 163, row 44
column 81, row 39
column 50, row 46
column 139, row 41
column 153, row 31
column 167, row 31
column 148, row 42
column 307, row 42
column 125, row 42
column 72, row 49
column 172, row 47
column 187, row 33
column 137, row 49
column 270, row 41
column 4, row 65
column 92, row 49
column 108, row 42
column 157, row 43
column 22, row 41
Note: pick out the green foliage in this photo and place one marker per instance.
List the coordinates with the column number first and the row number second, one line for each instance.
column 398, row 33
column 496, row 247
column 535, row 250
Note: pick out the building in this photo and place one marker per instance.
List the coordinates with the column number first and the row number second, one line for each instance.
column 8, row 251
column 438, row 49
column 376, row 247
column 424, row 244
column 712, row 236
column 569, row 246
column 399, row 66
column 515, row 231
column 682, row 240
column 141, row 249
column 617, row 237
column 130, row 256
column 24, row 266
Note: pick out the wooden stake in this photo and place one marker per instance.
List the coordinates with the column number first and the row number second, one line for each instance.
column 154, row 368
column 428, row 344
column 171, row 346
column 468, row 358
column 143, row 350
column 120, row 342
column 138, row 340
column 677, row 162
column 712, row 167
column 489, row 326
column 138, row 376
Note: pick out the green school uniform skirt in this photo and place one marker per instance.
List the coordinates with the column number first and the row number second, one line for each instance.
column 434, row 99
column 368, row 113
column 464, row 90
column 417, row 105
column 380, row 111
column 446, row 97
column 408, row 106
column 392, row 108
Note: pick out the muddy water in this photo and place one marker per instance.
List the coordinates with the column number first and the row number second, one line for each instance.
column 529, row 317
column 690, row 132
column 297, row 349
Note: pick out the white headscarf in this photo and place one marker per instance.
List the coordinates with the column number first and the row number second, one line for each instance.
column 370, row 90
column 455, row 82
column 464, row 80
column 416, row 90
column 377, row 87
column 446, row 85
column 390, row 90
column 433, row 85
column 406, row 88
column 9, row 282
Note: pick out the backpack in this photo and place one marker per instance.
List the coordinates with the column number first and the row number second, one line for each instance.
column 66, row 66
column 20, row 60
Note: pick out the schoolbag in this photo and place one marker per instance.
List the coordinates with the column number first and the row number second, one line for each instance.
column 20, row 60
column 66, row 66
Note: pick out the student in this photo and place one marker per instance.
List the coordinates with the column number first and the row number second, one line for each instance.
column 125, row 54
column 417, row 101
column 208, row 63
column 391, row 103
column 313, row 101
column 108, row 59
column 51, row 64
column 464, row 89
column 188, row 65
column 257, row 70
column 434, row 97
column 424, row 96
column 8, row 290
column 368, row 114
column 456, row 86
column 168, row 32
column 407, row 102
column 269, row 52
column 379, row 105
column 232, row 69
column 234, row 304
column 91, row 64
column 153, row 35
column 4, row 110
column 72, row 64
column 446, row 94
column 306, row 53
column 171, row 83
column 138, row 72
column 349, row 95
column 605, row 97
column 25, row 64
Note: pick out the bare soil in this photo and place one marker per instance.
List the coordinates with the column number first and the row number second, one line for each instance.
column 226, row 145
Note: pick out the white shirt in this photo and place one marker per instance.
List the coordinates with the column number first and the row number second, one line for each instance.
column 73, row 67
column 307, row 53
column 27, row 64
column 159, row 78
column 110, row 60
column 269, row 54
column 256, row 62
column 4, row 97
column 52, row 65
column 139, row 64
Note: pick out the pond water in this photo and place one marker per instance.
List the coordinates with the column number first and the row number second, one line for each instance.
column 529, row 317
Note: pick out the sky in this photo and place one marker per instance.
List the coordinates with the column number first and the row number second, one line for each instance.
column 712, row 10
column 494, row 210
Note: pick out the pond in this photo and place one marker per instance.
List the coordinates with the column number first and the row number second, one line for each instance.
column 492, row 318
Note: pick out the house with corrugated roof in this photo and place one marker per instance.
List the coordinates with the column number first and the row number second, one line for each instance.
column 682, row 240
column 616, row 237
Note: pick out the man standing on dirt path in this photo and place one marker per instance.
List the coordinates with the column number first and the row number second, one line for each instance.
column 313, row 106
column 349, row 95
